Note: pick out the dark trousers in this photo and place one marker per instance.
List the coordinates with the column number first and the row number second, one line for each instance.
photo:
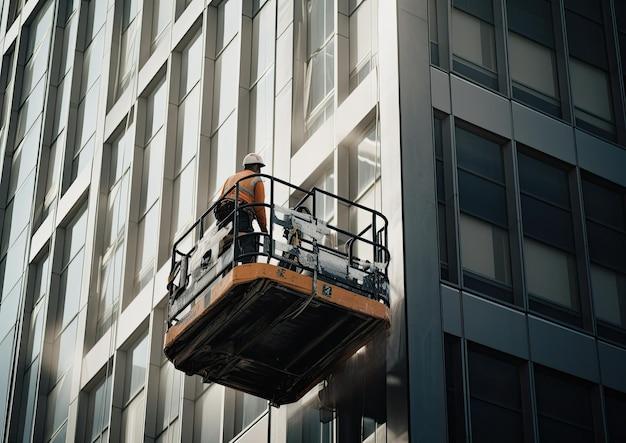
column 247, row 243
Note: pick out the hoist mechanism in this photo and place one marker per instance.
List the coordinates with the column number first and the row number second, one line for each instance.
column 276, row 321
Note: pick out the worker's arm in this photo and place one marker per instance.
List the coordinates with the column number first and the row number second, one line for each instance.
column 259, row 197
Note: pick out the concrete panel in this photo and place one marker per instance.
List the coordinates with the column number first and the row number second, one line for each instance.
column 451, row 310
column 612, row 366
column 355, row 107
column 151, row 67
column 480, row 107
column 95, row 359
column 72, row 196
column 11, row 35
column 422, row 303
column 563, row 349
column 495, row 326
column 43, row 234
column 601, row 158
column 134, row 314
column 313, row 153
column 118, row 111
column 543, row 133
column 440, row 89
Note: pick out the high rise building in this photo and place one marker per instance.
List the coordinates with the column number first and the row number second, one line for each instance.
column 491, row 133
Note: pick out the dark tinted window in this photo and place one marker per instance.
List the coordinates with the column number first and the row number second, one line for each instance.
column 482, row 198
column 496, row 403
column 483, row 9
column 585, row 33
column 441, row 198
column 604, row 205
column 454, row 389
column 479, row 155
column 547, row 223
column 606, row 225
column 543, row 180
column 532, row 19
column 564, row 408
column 615, row 415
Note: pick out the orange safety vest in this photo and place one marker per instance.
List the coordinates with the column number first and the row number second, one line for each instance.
column 251, row 190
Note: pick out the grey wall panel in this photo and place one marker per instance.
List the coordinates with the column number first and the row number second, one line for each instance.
column 451, row 310
column 440, row 89
column 563, row 349
column 495, row 326
column 601, row 158
column 612, row 366
column 480, row 107
column 543, row 133
column 421, row 276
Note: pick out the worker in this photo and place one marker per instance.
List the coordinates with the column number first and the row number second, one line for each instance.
column 251, row 191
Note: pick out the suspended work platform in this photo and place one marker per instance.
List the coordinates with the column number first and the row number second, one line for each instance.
column 275, row 321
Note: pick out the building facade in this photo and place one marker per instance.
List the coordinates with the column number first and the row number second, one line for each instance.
column 491, row 133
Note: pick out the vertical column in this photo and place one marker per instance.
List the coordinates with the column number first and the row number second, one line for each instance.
column 283, row 92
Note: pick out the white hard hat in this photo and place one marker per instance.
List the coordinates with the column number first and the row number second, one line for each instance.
column 253, row 159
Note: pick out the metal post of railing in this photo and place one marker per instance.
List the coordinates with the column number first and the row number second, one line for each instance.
column 271, row 227
column 236, row 226
column 374, row 237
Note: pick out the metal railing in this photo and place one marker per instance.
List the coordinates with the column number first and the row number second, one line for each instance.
column 374, row 237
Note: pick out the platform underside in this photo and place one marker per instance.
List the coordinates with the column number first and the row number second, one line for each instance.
column 261, row 332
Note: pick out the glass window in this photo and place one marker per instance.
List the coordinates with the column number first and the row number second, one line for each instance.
column 187, row 131
column 99, row 410
column 191, row 65
column 263, row 41
column 262, row 79
column 454, row 389
column 58, row 406
column 324, row 204
column 168, row 403
column 441, row 200
column 303, row 421
column 117, row 179
column 246, row 409
column 495, row 396
column 363, row 40
column 549, row 250
column 89, row 92
column 228, row 19
column 564, row 407
column 134, row 407
column 531, row 37
column 591, row 88
column 262, row 114
column 620, row 15
column 605, row 210
column 161, row 19
column 207, row 423
column 320, row 76
column 223, row 161
column 473, row 41
column 225, row 85
column 367, row 160
column 484, row 222
column 433, row 31
column 129, row 42
column 183, row 199
column 615, row 407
